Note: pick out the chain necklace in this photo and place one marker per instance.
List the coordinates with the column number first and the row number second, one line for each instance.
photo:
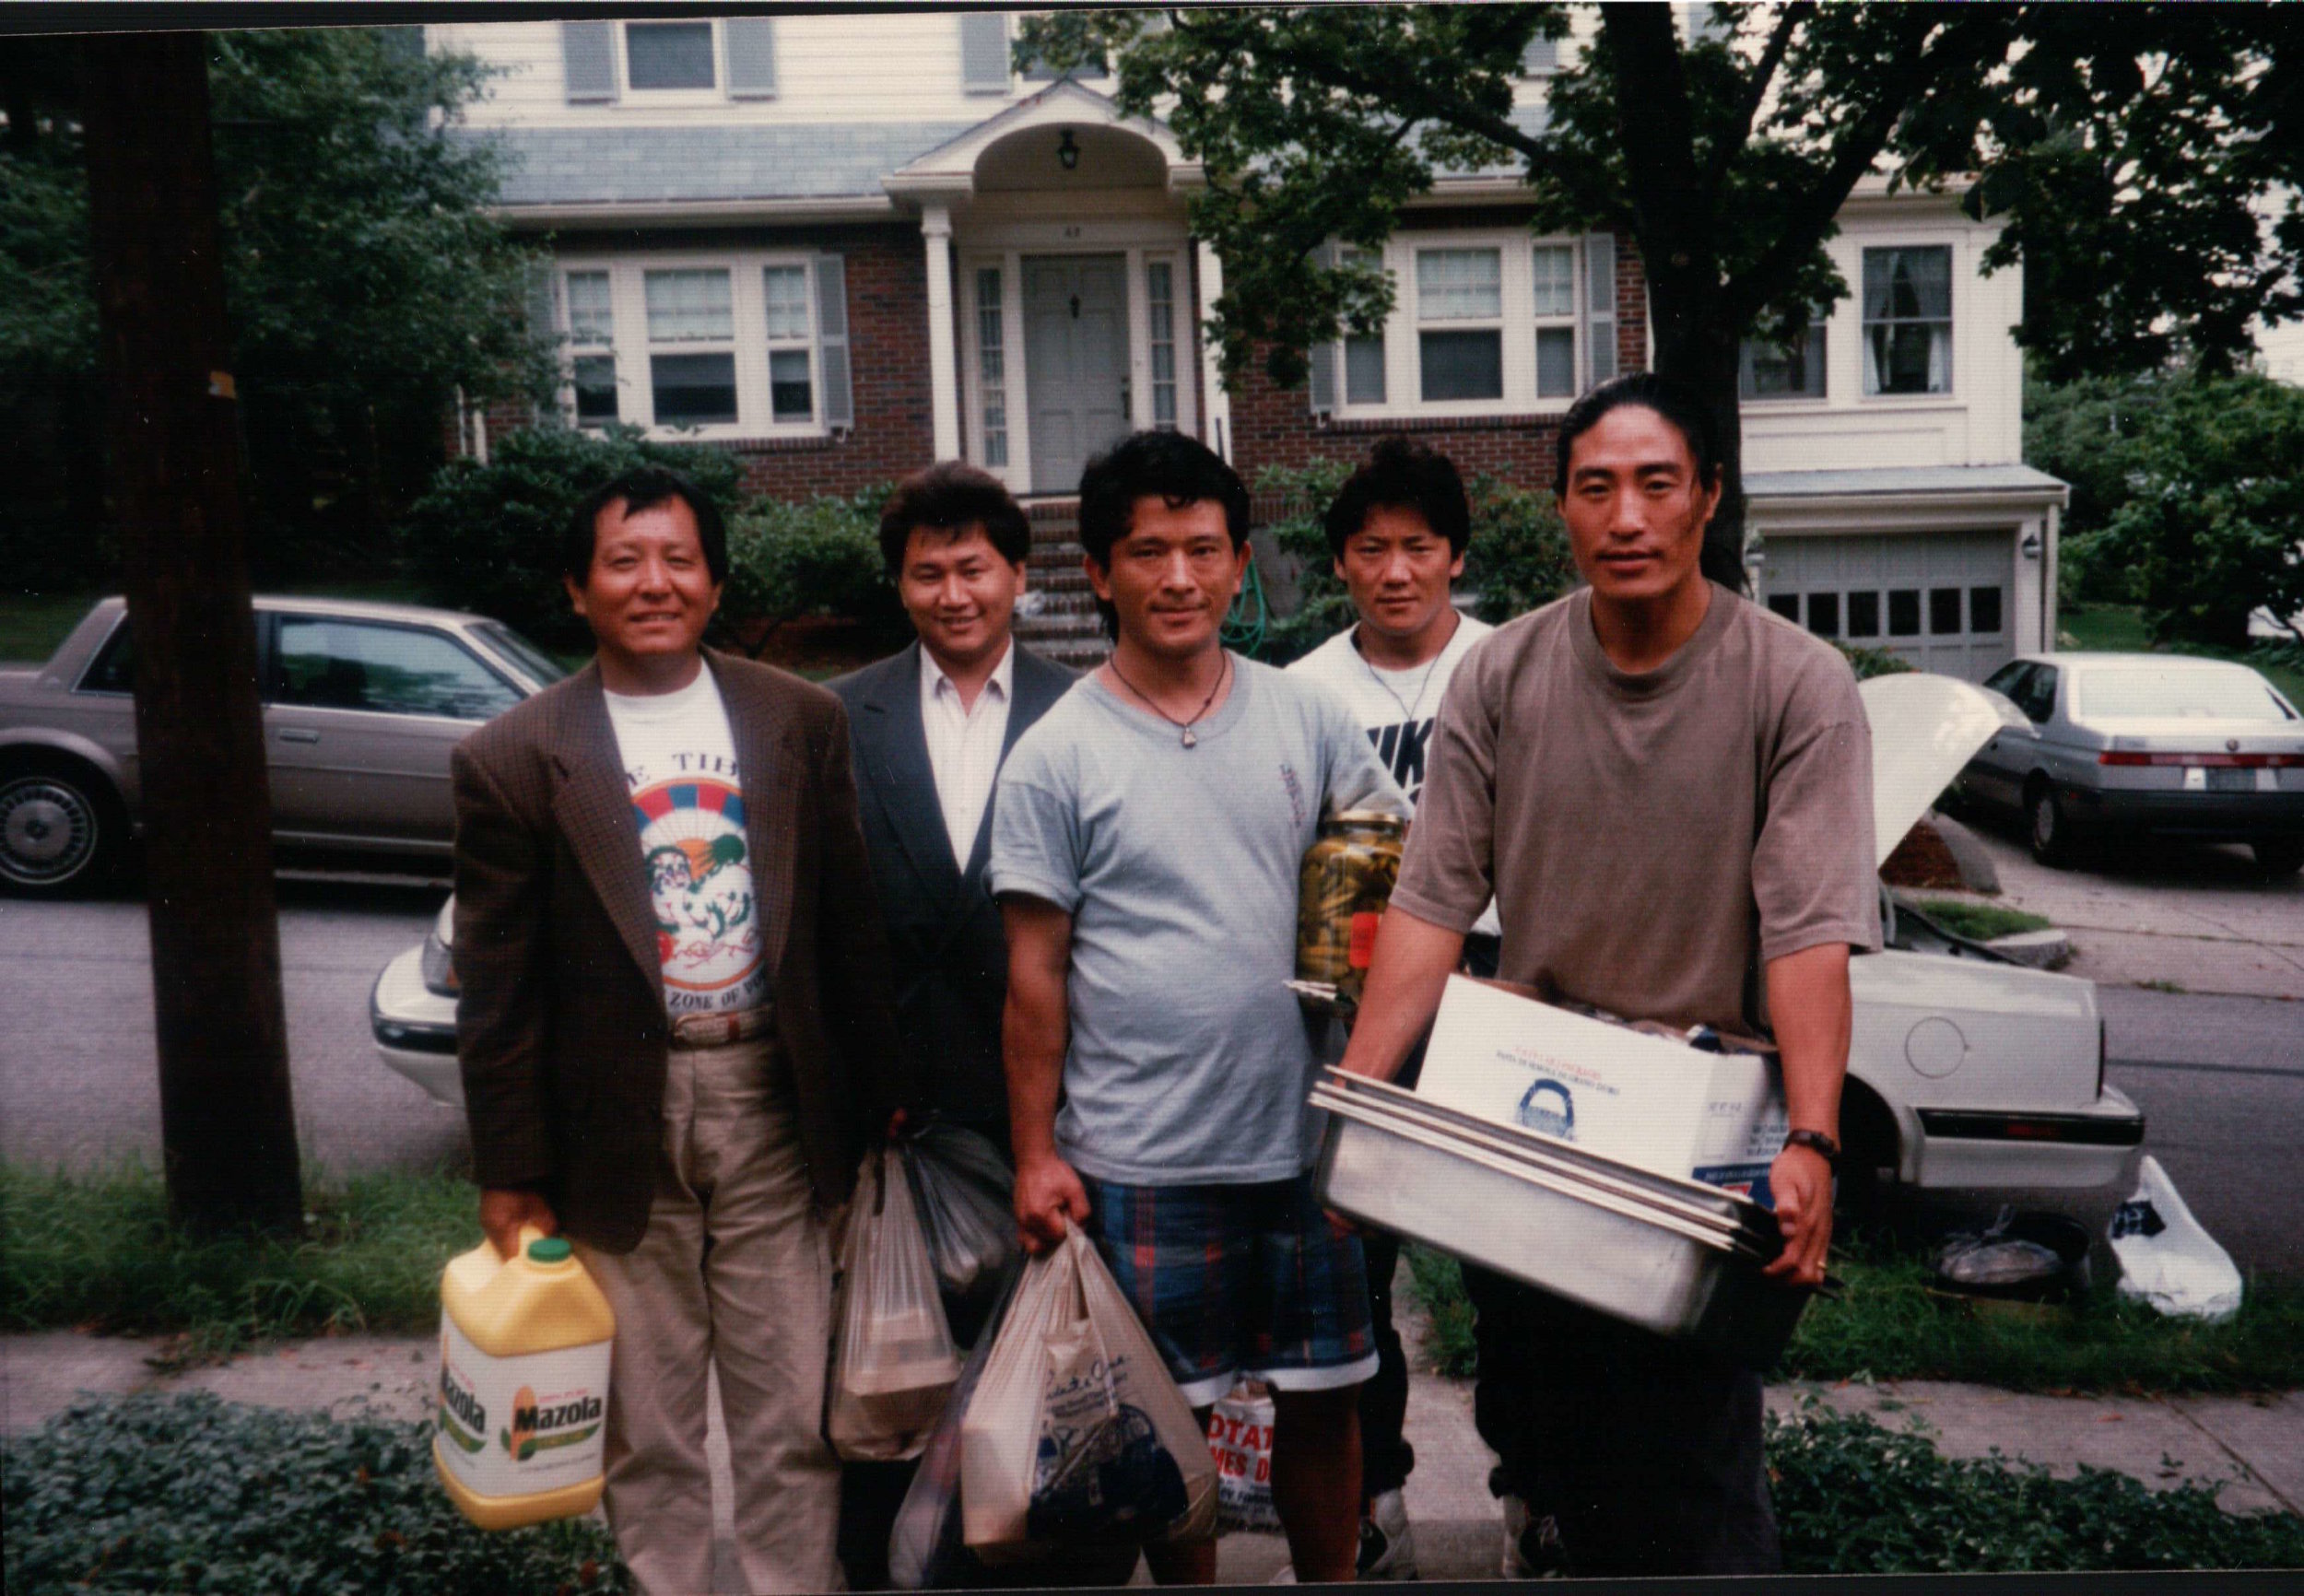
column 1189, row 739
column 1424, row 683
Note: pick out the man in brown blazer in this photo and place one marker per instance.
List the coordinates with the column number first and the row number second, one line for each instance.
column 674, row 1029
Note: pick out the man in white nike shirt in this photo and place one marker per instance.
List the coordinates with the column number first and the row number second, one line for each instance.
column 1397, row 531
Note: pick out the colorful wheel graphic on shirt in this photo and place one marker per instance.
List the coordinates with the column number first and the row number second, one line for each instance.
column 700, row 879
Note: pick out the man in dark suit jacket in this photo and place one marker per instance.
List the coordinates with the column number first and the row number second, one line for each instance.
column 931, row 726
column 674, row 1027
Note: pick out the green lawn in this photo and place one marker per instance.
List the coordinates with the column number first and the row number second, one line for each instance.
column 1978, row 921
column 32, row 624
column 2121, row 628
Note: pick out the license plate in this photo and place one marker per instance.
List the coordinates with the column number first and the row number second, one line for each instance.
column 2222, row 778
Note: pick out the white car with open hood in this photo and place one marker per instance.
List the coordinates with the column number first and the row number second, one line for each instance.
column 1966, row 1071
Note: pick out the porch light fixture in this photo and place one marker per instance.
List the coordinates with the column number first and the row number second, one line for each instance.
column 1068, row 153
column 2030, row 545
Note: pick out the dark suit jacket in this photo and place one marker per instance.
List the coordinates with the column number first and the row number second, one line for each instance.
column 561, row 1030
column 948, row 955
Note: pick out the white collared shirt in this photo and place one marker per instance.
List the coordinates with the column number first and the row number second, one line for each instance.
column 964, row 744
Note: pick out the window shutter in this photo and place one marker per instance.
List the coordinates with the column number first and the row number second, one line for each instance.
column 588, row 60
column 1540, row 58
column 1600, row 306
column 831, row 340
column 751, row 57
column 1323, row 355
column 984, row 51
column 544, row 298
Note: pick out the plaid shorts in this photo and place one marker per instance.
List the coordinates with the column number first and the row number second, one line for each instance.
column 1234, row 1280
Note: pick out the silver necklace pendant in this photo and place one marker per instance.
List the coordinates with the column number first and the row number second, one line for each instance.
column 1190, row 741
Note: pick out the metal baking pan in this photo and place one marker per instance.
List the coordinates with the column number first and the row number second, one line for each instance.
column 1725, row 1211
column 1628, row 1260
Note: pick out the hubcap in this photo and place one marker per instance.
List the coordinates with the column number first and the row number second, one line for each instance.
column 47, row 832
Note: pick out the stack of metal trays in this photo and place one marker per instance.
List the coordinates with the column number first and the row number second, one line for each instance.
column 1675, row 1257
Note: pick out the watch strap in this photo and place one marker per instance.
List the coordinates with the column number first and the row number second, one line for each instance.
column 1816, row 1142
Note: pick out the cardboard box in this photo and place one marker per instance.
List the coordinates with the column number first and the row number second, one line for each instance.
column 1498, row 1053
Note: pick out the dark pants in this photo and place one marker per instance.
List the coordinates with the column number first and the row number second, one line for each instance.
column 1647, row 1455
column 1385, row 1455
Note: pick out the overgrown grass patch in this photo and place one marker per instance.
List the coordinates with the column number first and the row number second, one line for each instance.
column 1854, row 1498
column 1890, row 1324
column 32, row 624
column 1979, row 922
column 1437, row 1282
column 189, row 1493
column 97, row 1251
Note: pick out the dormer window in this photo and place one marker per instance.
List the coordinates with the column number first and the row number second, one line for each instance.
column 669, row 55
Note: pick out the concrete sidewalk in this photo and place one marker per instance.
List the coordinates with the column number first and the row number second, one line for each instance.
column 2255, row 1442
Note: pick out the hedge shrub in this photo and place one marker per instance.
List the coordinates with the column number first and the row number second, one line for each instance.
column 821, row 558
column 188, row 1493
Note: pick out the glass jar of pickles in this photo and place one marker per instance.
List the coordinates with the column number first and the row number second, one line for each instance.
column 1347, row 878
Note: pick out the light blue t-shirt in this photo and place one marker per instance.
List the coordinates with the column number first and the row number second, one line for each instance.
column 1189, row 1060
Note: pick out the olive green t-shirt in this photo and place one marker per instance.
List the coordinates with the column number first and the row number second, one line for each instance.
column 1646, row 835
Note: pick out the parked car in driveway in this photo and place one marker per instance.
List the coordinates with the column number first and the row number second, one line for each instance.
column 1967, row 1071
column 2156, row 745
column 362, row 704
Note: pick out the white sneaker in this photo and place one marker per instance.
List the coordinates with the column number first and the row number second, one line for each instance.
column 1532, row 1548
column 1387, row 1544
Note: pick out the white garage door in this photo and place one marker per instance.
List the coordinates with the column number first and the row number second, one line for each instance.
column 1942, row 600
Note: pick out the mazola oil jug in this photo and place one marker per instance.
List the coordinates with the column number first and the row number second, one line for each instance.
column 524, row 1383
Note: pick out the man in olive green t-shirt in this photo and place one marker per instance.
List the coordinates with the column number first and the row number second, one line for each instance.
column 1667, row 791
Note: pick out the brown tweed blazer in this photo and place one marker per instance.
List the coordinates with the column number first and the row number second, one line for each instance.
column 561, row 1030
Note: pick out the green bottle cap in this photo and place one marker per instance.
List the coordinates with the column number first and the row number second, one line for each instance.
column 549, row 1249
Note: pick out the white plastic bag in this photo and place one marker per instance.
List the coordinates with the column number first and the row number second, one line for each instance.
column 1075, row 1432
column 894, row 1364
column 1239, row 1435
column 2166, row 1258
column 924, row 1546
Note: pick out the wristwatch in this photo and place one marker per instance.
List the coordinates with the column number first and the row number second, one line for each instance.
column 1817, row 1142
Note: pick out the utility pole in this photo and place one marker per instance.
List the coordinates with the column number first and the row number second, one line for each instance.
column 227, row 1124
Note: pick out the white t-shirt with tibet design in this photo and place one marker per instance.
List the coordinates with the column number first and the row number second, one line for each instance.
column 1397, row 708
column 688, row 798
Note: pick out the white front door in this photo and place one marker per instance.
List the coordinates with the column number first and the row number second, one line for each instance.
column 1075, row 362
column 1942, row 599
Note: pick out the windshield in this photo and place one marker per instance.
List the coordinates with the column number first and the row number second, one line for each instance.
column 521, row 652
column 2237, row 694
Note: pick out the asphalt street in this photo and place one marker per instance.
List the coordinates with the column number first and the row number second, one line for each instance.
column 78, row 1074
column 2220, row 1077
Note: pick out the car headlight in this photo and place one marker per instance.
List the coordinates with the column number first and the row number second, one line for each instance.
column 438, row 967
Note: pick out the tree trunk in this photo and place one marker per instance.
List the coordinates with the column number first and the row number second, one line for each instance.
column 1693, row 349
column 227, row 1125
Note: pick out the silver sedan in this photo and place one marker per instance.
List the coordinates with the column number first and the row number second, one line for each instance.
column 2158, row 744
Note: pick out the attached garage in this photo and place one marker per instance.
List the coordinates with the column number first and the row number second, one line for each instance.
column 1953, row 569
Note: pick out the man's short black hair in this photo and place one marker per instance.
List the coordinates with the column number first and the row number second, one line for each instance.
column 642, row 487
column 951, row 496
column 1168, row 466
column 1401, row 475
column 1676, row 401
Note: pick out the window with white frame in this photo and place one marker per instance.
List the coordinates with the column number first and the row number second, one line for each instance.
column 672, row 59
column 1766, row 369
column 1160, row 296
column 691, row 346
column 1555, row 303
column 1459, row 324
column 791, row 395
column 592, row 347
column 992, row 366
column 732, row 344
column 1907, row 320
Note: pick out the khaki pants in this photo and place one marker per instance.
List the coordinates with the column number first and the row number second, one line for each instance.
column 734, row 1271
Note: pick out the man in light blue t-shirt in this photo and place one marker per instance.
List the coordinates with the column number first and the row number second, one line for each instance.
column 1147, row 839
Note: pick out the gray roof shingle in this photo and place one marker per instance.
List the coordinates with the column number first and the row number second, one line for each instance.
column 668, row 165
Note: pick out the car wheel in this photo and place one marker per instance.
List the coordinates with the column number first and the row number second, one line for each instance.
column 60, row 830
column 1866, row 1187
column 2279, row 856
column 2048, row 828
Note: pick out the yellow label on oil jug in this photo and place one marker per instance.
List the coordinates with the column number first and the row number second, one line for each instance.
column 523, row 1384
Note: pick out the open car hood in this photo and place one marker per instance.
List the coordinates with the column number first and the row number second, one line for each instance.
column 1925, row 728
